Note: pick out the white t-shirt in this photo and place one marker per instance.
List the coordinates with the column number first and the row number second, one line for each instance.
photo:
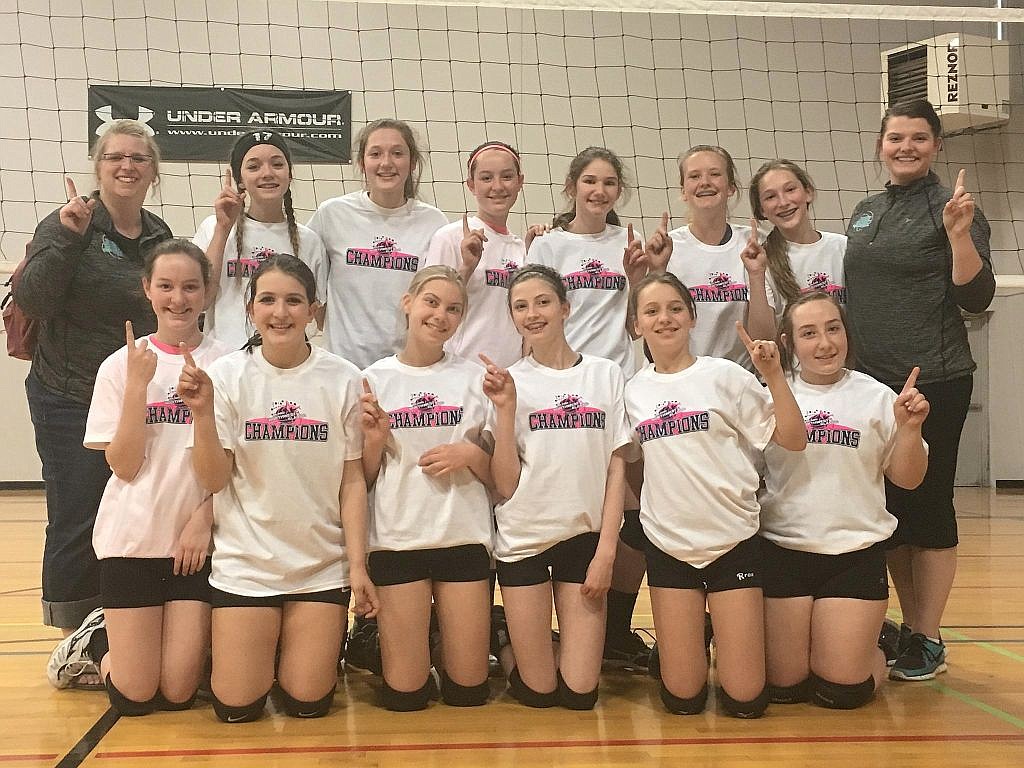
column 595, row 280
column 719, row 284
column 819, row 266
column 488, row 326
column 225, row 319
column 568, row 423
column 830, row 497
column 277, row 524
column 430, row 406
column 144, row 517
column 699, row 430
column 373, row 253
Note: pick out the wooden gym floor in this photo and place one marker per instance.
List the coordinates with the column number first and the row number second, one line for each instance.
column 971, row 716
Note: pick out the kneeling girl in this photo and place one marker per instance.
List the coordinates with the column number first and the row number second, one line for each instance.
column 430, row 523
column 700, row 423
column 276, row 436
column 823, row 518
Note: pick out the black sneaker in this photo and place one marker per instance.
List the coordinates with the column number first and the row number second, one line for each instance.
column 654, row 663
column 709, row 635
column 363, row 648
column 627, row 652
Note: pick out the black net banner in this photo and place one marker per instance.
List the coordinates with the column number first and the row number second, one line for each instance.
column 203, row 123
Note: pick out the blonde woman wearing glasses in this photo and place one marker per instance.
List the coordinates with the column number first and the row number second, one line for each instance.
column 82, row 282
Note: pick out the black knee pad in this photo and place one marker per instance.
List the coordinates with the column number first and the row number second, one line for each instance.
column 632, row 533
column 570, row 699
column 173, row 706
column 407, row 701
column 522, row 693
column 790, row 694
column 825, row 693
column 680, row 706
column 246, row 713
column 308, row 709
column 455, row 695
column 124, row 705
column 746, row 710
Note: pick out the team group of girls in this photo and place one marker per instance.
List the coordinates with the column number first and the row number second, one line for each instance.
column 389, row 470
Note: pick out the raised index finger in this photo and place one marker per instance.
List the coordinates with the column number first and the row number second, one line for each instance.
column 366, row 387
column 465, row 225
column 912, row 379
column 189, row 361
column 960, row 179
column 228, row 181
column 629, row 234
column 744, row 336
column 753, row 232
column 487, row 361
column 70, row 184
column 129, row 333
column 664, row 220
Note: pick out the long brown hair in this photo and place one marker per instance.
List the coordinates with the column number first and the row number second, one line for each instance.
column 576, row 168
column 776, row 247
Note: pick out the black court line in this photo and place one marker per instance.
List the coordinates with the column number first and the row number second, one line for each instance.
column 19, row 591
column 88, row 742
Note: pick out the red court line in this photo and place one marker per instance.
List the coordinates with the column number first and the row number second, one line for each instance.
column 23, row 758
column 351, row 748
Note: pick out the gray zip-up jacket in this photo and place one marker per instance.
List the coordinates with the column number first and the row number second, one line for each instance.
column 82, row 289
column 903, row 307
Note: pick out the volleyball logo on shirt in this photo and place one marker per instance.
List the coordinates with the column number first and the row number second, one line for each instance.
column 571, row 411
column 425, row 409
column 172, row 410
column 383, row 255
column 286, row 422
column 247, row 266
column 721, row 286
column 594, row 274
column 672, row 419
column 822, row 281
column 823, row 429
column 863, row 221
column 500, row 278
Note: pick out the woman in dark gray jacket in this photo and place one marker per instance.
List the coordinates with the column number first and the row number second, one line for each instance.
column 83, row 280
column 917, row 254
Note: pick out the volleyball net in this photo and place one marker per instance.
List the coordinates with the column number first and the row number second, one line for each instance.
column 804, row 81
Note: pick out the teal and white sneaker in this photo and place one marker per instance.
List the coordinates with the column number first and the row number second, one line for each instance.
column 70, row 659
column 922, row 660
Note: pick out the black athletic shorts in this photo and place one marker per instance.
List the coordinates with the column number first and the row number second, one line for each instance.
column 146, row 582
column 468, row 562
column 567, row 562
column 221, row 599
column 791, row 573
column 739, row 568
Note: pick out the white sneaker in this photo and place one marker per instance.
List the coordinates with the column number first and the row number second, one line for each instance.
column 70, row 658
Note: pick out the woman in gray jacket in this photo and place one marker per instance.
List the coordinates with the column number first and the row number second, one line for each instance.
column 917, row 254
column 83, row 280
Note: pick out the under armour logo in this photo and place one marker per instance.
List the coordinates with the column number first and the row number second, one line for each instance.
column 106, row 115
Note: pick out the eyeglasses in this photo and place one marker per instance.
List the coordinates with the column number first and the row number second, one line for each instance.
column 119, row 157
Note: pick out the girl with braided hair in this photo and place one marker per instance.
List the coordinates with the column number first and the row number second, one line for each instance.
column 253, row 220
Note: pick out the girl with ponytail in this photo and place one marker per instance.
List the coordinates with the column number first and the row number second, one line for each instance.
column 800, row 259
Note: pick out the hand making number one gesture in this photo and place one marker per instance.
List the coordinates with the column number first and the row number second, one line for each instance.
column 659, row 246
column 911, row 407
column 498, row 384
column 195, row 387
column 376, row 423
column 229, row 203
column 141, row 359
column 764, row 354
column 958, row 213
column 76, row 214
column 472, row 247
column 753, row 255
column 634, row 260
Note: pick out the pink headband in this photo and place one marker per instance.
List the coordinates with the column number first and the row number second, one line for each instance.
column 485, row 147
